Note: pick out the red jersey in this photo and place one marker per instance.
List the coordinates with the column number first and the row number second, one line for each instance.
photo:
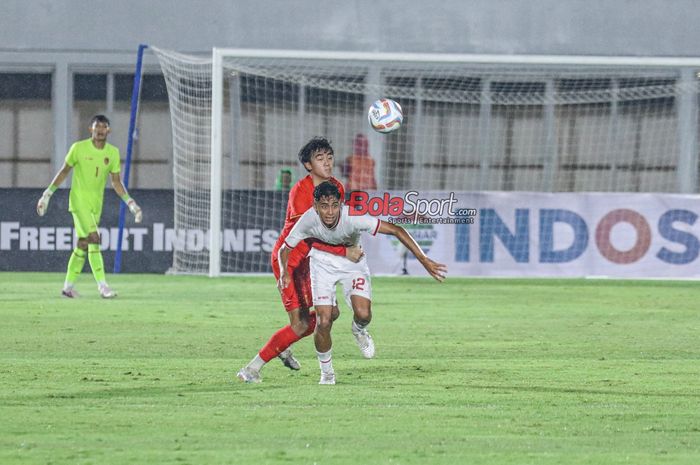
column 301, row 198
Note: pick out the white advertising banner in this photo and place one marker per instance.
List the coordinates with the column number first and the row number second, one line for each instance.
column 540, row 234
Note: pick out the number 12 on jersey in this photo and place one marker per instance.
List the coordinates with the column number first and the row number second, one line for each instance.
column 359, row 284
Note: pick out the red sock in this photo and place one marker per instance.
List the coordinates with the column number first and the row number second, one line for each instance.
column 279, row 341
column 284, row 338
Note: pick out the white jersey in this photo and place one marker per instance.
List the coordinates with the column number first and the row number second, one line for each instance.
column 346, row 232
column 326, row 269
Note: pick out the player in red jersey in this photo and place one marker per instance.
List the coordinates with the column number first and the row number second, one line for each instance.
column 317, row 157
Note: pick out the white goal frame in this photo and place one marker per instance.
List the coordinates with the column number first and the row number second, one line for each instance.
column 687, row 107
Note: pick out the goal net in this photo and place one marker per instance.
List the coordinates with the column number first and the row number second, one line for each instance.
column 471, row 124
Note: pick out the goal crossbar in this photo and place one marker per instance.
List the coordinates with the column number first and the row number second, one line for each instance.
column 582, row 60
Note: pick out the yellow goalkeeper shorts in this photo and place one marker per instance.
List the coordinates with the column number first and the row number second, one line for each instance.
column 85, row 223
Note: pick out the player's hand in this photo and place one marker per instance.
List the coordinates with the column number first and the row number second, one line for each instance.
column 435, row 269
column 284, row 281
column 43, row 204
column 135, row 210
column 354, row 253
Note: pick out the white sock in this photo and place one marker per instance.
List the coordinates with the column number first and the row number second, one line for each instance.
column 256, row 364
column 67, row 286
column 325, row 361
column 357, row 328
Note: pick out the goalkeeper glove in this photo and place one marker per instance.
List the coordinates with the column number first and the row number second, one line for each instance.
column 135, row 210
column 43, row 204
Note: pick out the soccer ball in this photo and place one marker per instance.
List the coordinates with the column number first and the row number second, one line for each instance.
column 385, row 115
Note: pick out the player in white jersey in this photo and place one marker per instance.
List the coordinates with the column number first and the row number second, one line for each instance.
column 330, row 222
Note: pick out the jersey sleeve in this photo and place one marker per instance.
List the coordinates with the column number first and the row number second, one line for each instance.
column 71, row 157
column 300, row 231
column 115, row 162
column 334, row 249
column 366, row 223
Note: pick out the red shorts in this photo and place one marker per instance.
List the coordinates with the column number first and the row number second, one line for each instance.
column 298, row 293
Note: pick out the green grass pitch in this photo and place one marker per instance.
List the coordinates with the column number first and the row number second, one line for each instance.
column 468, row 371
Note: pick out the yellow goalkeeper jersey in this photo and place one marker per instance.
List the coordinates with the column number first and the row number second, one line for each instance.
column 91, row 168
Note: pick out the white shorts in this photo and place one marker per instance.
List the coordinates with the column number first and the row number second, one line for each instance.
column 327, row 270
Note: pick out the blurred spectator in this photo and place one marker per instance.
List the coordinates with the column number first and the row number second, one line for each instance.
column 359, row 167
column 284, row 180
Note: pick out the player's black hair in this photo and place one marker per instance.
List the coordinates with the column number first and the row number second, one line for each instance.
column 313, row 146
column 99, row 119
column 326, row 189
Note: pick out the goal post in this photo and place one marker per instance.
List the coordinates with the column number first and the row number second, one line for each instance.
column 473, row 123
column 217, row 98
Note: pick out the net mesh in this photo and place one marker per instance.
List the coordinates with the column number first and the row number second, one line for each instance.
column 467, row 127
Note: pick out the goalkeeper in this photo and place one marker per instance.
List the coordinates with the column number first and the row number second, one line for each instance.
column 93, row 160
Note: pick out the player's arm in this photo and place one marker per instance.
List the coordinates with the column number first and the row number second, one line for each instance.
column 282, row 260
column 299, row 232
column 124, row 195
column 436, row 270
column 43, row 204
